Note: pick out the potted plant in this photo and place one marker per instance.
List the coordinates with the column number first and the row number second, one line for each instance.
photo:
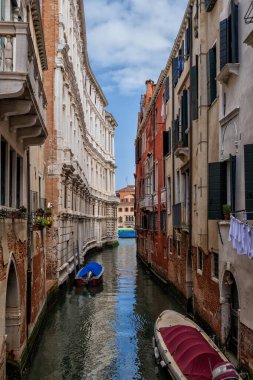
column 48, row 211
column 39, row 211
column 226, row 211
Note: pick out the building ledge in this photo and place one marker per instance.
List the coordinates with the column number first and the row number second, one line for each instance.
column 249, row 39
column 230, row 69
column 182, row 153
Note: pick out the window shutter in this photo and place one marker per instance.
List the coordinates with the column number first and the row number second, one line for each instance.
column 212, row 74
column 167, row 89
column 234, row 33
column 232, row 181
column 136, row 151
column 194, row 92
column 187, row 42
column 165, row 143
column 175, row 71
column 223, row 43
column 169, row 141
column 248, row 170
column 217, row 189
column 184, row 117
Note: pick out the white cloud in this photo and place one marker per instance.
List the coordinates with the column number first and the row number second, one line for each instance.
column 129, row 41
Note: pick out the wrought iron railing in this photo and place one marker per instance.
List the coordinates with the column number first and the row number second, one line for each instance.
column 249, row 14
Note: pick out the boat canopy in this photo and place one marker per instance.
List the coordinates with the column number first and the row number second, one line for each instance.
column 191, row 351
column 93, row 267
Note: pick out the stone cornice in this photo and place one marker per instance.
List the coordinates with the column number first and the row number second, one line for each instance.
column 37, row 23
column 85, row 53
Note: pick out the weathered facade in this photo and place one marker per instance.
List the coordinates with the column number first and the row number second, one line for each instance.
column 125, row 207
column 22, row 133
column 79, row 151
column 208, row 164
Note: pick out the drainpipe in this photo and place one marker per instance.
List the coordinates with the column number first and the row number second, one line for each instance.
column 191, row 165
column 29, row 245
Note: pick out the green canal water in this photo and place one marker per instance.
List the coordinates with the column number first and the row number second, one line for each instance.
column 104, row 333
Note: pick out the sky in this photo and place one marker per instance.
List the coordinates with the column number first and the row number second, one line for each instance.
column 129, row 41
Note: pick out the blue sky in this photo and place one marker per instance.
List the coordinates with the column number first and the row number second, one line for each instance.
column 129, row 41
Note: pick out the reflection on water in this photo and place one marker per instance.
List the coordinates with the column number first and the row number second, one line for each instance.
column 105, row 332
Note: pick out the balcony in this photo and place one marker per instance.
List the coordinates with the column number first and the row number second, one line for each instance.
column 163, row 195
column 146, row 202
column 209, row 4
column 22, row 97
column 180, row 144
column 155, row 199
column 185, row 215
column 177, row 215
column 229, row 70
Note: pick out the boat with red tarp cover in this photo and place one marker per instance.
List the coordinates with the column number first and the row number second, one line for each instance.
column 187, row 352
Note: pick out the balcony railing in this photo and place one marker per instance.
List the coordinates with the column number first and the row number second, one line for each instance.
column 177, row 216
column 209, row 4
column 163, row 195
column 155, row 199
column 22, row 96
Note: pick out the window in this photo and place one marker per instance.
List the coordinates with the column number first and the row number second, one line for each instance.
column 18, row 182
column 215, row 265
column 167, row 89
column 11, row 182
column 221, row 188
column 194, row 90
column 120, row 209
column 200, row 260
column 178, row 247
column 126, row 209
column 156, row 176
column 3, row 171
column 177, row 200
column 171, row 245
column 169, row 196
column 211, row 84
column 209, row 4
column 165, row 253
column 229, row 52
column 120, row 219
column 163, row 221
column 248, row 167
column 174, row 71
column 156, row 120
column 132, row 209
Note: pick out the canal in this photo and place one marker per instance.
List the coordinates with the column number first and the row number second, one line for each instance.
column 104, row 333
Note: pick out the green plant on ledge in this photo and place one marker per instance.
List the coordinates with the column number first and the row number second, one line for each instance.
column 42, row 222
column 226, row 211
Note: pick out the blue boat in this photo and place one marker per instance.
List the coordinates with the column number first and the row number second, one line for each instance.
column 90, row 274
column 126, row 233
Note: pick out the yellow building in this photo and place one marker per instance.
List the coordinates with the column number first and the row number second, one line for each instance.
column 126, row 207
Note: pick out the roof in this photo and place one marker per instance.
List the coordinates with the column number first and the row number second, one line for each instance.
column 127, row 189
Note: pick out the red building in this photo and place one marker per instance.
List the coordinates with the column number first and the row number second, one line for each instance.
column 150, row 179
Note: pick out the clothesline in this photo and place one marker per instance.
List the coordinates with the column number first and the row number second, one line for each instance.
column 241, row 236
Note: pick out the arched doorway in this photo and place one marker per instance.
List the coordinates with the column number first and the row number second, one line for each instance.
column 230, row 312
column 12, row 318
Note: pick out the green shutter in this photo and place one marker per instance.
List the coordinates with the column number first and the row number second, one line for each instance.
column 167, row 89
column 212, row 74
column 217, row 189
column 248, row 170
column 223, row 43
column 234, row 33
column 194, row 92
column 184, row 117
column 232, row 181
column 165, row 143
column 175, row 71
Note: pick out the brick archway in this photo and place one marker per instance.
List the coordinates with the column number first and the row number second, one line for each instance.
column 12, row 316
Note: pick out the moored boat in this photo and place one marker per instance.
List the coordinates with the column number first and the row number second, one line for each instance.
column 126, row 233
column 187, row 352
column 90, row 274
